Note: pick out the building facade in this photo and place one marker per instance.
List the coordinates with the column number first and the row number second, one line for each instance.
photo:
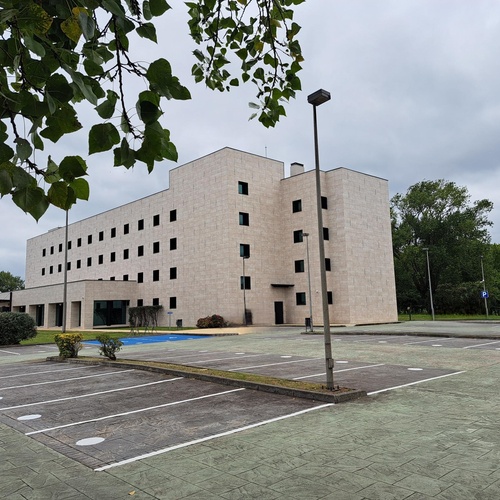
column 229, row 232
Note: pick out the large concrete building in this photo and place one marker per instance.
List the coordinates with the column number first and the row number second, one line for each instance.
column 183, row 249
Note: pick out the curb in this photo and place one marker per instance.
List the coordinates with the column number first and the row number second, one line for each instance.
column 341, row 397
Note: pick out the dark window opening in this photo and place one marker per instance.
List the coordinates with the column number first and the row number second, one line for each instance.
column 78, row 264
column 140, row 302
column 298, row 236
column 156, row 275
column 112, row 256
column 140, row 224
column 328, row 264
column 140, row 277
column 299, row 266
column 329, row 296
column 43, row 271
column 51, row 250
column 244, row 219
column 89, row 239
column 79, row 242
column 172, row 303
column 68, row 267
column 101, row 235
column 140, row 250
column 173, row 243
column 60, row 247
column 156, row 247
column 156, row 301
column 51, row 269
column 113, row 232
column 242, row 187
column 89, row 261
column 324, row 203
column 326, row 234
column 245, row 283
column 244, row 250
column 125, row 254
column 300, row 298
column 173, row 215
column 125, row 277
column 59, row 268
column 297, row 206
column 126, row 229
column 100, row 259
column 156, row 220
column 44, row 252
column 173, row 273
column 69, row 245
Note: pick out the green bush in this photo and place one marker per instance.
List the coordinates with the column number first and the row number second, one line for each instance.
column 15, row 327
column 109, row 346
column 69, row 344
column 214, row 321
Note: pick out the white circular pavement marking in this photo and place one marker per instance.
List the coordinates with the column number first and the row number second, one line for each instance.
column 89, row 441
column 415, row 369
column 29, row 417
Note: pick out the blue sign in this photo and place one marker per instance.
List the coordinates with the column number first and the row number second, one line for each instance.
column 485, row 294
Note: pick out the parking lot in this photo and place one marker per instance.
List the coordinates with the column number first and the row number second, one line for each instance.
column 114, row 419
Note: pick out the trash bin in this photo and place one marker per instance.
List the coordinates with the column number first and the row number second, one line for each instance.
column 308, row 323
column 178, row 323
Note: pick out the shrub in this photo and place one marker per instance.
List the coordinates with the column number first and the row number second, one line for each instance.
column 15, row 327
column 69, row 344
column 214, row 321
column 109, row 346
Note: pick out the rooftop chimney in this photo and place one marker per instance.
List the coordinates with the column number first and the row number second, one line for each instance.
column 296, row 169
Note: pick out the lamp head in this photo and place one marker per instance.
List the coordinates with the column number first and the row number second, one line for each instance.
column 318, row 97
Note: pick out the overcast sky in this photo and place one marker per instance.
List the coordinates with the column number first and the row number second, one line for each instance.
column 415, row 90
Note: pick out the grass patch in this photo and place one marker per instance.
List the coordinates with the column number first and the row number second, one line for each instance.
column 447, row 317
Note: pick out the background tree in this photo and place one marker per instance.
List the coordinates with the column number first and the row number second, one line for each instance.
column 438, row 215
column 9, row 282
column 55, row 55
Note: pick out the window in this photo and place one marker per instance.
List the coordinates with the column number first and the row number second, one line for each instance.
column 297, row 206
column 89, row 239
column 51, row 250
column 140, row 302
column 60, row 247
column 156, row 220
column 242, row 187
column 140, row 250
column 112, row 256
column 89, row 261
column 44, row 252
column 156, row 301
column 244, row 219
column 326, row 234
column 244, row 250
column 140, row 224
column 245, row 283
column 140, row 277
column 113, row 232
column 172, row 303
column 125, row 254
column 329, row 296
column 79, row 242
column 100, row 259
column 51, row 270
column 298, row 236
column 126, row 229
column 43, row 271
column 328, row 264
column 156, row 247
column 299, row 266
column 173, row 215
column 78, row 264
column 156, row 275
column 300, row 298
column 101, row 235
column 173, row 243
column 173, row 273
column 68, row 267
column 125, row 277
column 69, row 245
column 324, row 203
column 59, row 268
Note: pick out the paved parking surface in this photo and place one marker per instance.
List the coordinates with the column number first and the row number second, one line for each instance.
column 431, row 433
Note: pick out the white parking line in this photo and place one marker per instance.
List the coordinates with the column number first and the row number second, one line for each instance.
column 124, row 414
column 90, row 394
column 274, row 364
column 46, row 371
column 209, row 438
column 224, row 359
column 338, row 371
column 10, row 352
column 480, row 345
column 413, row 383
column 433, row 339
column 64, row 380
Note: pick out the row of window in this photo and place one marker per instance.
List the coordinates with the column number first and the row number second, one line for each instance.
column 172, row 302
column 126, row 230
column 299, row 265
column 140, row 276
column 297, row 204
column 298, row 235
column 300, row 298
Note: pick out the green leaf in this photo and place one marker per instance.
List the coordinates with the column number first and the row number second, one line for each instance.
column 52, row 172
column 158, row 7
column 72, row 167
column 107, row 108
column 5, row 182
column 81, row 189
column 34, row 46
column 113, row 7
column 58, row 194
column 102, row 137
column 63, row 121
column 147, row 107
column 31, row 200
column 58, row 88
column 147, row 30
column 23, row 149
column 6, row 152
column 86, row 24
column 124, row 155
column 92, row 68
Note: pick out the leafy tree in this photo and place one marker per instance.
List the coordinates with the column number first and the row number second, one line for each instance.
column 9, row 282
column 438, row 215
column 55, row 55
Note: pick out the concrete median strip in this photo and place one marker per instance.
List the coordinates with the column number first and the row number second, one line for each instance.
column 234, row 379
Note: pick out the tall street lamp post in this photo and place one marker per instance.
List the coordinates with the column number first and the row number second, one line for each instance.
column 316, row 99
column 309, row 283
column 244, row 285
column 426, row 250
column 65, row 284
column 485, row 293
